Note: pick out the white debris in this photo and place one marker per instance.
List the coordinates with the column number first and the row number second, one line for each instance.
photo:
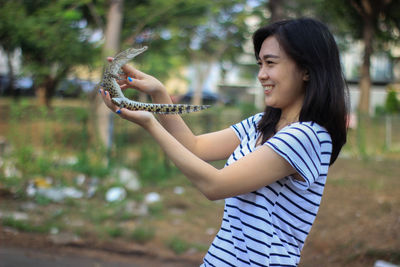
column 54, row 230
column 11, row 171
column 381, row 263
column 80, row 179
column 30, row 190
column 92, row 187
column 115, row 194
column 179, row 190
column 136, row 209
column 129, row 179
column 71, row 192
column 51, row 193
column 59, row 194
column 152, row 198
column 71, row 160
column 16, row 215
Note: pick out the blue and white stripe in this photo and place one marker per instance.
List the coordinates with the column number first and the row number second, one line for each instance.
column 268, row 227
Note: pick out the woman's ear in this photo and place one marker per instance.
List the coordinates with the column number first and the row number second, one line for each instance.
column 306, row 76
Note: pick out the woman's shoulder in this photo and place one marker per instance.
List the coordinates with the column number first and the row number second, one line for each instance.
column 251, row 121
column 256, row 117
column 247, row 127
column 309, row 129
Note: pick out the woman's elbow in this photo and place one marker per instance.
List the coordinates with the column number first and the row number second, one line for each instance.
column 213, row 194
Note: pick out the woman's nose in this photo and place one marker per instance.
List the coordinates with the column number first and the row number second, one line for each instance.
column 262, row 74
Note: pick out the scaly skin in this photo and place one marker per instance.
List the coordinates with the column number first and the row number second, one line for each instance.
column 109, row 84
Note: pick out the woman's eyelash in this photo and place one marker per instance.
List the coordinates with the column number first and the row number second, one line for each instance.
column 259, row 63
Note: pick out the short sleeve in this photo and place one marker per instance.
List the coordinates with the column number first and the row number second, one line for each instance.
column 244, row 128
column 299, row 144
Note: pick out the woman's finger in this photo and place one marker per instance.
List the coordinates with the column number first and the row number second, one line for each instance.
column 132, row 72
column 107, row 100
column 124, row 86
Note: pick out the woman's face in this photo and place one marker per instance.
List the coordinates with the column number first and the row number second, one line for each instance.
column 283, row 81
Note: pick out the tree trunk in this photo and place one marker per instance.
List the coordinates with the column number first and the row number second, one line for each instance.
column 50, row 85
column 202, row 70
column 45, row 91
column 276, row 7
column 11, row 88
column 365, row 79
column 41, row 95
column 111, row 46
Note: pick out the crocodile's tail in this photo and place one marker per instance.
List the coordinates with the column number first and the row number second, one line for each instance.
column 158, row 108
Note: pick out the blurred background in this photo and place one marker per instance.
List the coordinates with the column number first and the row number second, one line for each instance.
column 73, row 175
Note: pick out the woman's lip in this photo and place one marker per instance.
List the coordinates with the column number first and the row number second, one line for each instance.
column 268, row 88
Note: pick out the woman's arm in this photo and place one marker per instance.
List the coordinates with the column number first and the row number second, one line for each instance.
column 257, row 169
column 213, row 146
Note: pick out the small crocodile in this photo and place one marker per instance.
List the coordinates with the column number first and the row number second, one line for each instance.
column 109, row 83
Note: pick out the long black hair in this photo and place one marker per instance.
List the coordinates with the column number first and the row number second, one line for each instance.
column 311, row 45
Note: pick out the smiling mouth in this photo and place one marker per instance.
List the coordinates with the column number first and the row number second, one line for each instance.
column 268, row 88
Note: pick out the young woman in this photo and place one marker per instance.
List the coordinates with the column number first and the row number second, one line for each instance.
column 278, row 160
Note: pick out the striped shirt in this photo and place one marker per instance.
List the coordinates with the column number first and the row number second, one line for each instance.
column 268, row 227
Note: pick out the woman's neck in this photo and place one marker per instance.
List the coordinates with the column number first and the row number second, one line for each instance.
column 285, row 121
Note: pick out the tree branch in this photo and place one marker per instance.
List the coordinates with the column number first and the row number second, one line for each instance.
column 95, row 16
column 357, row 7
column 139, row 28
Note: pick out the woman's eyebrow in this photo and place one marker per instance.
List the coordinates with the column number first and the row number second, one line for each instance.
column 270, row 56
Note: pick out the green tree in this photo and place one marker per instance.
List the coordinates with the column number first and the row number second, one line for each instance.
column 53, row 43
column 185, row 32
column 375, row 22
column 51, row 36
column 392, row 104
column 219, row 39
column 162, row 25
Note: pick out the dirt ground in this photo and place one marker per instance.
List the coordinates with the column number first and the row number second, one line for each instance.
column 358, row 224
column 359, row 220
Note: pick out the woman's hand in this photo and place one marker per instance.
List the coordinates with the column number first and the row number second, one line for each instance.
column 141, row 81
column 143, row 118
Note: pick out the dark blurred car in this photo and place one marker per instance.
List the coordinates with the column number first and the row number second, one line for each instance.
column 207, row 96
column 23, row 86
column 4, row 82
column 71, row 88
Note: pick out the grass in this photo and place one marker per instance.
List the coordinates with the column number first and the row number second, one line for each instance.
column 143, row 234
column 26, row 226
column 114, row 231
column 178, row 245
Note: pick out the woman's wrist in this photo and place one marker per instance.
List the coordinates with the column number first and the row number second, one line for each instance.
column 150, row 124
column 160, row 96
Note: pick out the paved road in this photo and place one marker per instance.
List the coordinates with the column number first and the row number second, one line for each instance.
column 21, row 257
